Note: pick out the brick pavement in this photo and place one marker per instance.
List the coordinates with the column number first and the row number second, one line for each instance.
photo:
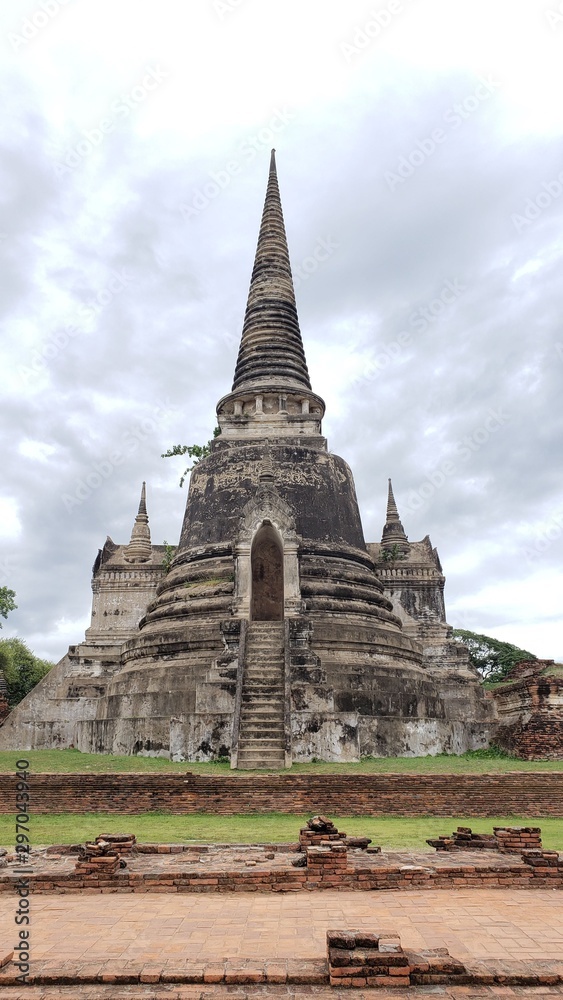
column 196, row 992
column 474, row 924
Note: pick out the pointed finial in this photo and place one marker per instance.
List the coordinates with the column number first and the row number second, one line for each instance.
column 393, row 532
column 140, row 548
column 143, row 500
column 271, row 350
column 392, row 512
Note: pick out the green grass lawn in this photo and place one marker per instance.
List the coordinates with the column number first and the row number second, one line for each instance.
column 391, row 832
column 72, row 761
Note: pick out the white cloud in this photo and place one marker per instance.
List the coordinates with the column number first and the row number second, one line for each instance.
column 10, row 524
column 409, row 387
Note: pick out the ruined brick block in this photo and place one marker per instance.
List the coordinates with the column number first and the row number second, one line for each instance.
column 360, row 958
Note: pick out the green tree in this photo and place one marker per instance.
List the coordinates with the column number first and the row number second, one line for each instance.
column 194, row 451
column 7, row 602
column 394, row 554
column 21, row 668
column 491, row 657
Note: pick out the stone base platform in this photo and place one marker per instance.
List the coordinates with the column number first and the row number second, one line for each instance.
column 268, row 868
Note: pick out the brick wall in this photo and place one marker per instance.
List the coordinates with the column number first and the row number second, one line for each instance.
column 543, row 870
column 517, row 794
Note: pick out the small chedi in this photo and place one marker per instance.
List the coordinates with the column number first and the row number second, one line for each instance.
column 277, row 634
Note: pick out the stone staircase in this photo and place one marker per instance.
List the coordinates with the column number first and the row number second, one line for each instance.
column 261, row 740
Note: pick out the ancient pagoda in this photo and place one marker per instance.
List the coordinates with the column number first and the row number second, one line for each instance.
column 276, row 634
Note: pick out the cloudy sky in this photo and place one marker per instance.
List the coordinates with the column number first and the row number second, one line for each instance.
column 420, row 159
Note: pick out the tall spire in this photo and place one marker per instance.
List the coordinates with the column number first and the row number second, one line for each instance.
column 140, row 548
column 392, row 512
column 393, row 532
column 271, row 350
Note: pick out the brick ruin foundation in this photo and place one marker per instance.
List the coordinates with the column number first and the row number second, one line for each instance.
column 506, row 839
column 324, row 858
column 328, row 859
column 104, row 855
column 530, row 711
column 357, row 958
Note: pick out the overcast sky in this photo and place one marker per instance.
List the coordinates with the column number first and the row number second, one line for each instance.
column 420, row 160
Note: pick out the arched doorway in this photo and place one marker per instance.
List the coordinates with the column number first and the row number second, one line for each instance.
column 267, row 575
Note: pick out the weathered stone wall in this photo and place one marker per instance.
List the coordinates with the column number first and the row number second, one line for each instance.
column 530, row 712
column 512, row 794
column 121, row 592
column 317, row 486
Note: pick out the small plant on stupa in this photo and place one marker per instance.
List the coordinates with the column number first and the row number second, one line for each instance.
column 393, row 554
column 193, row 451
column 169, row 551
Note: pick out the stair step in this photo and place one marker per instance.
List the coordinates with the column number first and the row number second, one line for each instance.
column 264, row 662
column 262, row 729
column 261, row 674
column 249, row 712
column 261, row 757
column 272, row 719
column 271, row 746
column 260, row 683
column 269, row 701
column 265, row 694
column 273, row 739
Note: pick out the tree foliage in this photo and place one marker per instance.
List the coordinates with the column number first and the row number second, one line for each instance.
column 394, row 554
column 491, row 657
column 194, row 451
column 7, row 602
column 21, row 668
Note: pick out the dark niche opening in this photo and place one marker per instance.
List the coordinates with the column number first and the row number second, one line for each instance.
column 267, row 576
